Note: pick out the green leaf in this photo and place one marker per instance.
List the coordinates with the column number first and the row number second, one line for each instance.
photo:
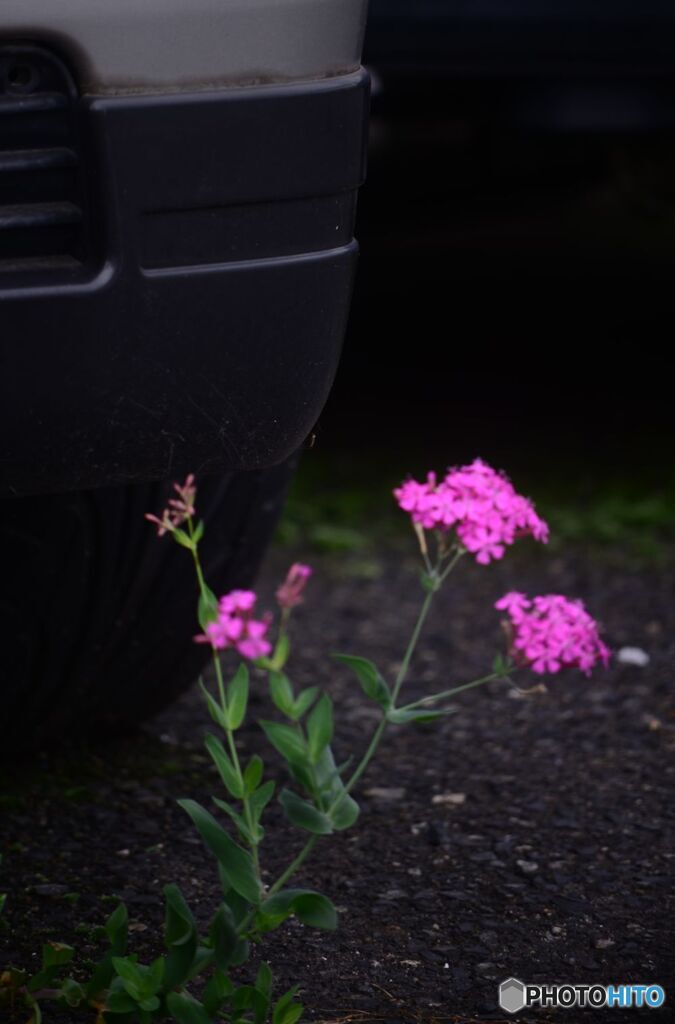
column 291, row 1014
column 228, row 772
column 117, row 929
column 198, row 533
column 281, row 652
column 207, row 608
column 400, row 716
column 56, row 954
column 250, row 837
column 179, row 923
column 244, row 998
column 141, row 982
column 239, row 906
column 287, row 741
column 304, row 776
column 149, row 1004
column 372, row 683
column 345, row 813
column 237, row 697
column 304, row 702
column 320, row 728
column 72, row 992
column 286, row 1006
column 180, row 937
column 253, row 774
column 216, row 992
column 186, row 1010
column 131, row 976
column 236, row 863
column 327, row 775
column 303, row 814
column 312, row 908
column 223, row 937
column 203, row 959
column 331, row 787
column 182, row 538
column 118, row 999
column 215, row 709
column 264, row 979
column 281, row 693
column 259, row 800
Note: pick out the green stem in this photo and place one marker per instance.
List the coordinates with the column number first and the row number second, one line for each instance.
column 363, row 763
column 451, row 693
column 234, row 754
column 410, row 650
column 248, row 815
column 400, row 679
column 294, row 865
column 195, row 555
column 451, row 564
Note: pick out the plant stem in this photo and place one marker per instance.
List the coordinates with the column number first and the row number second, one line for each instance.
column 410, row 650
column 234, row 754
column 451, row 564
column 195, row 555
column 294, row 865
column 248, row 816
column 450, row 693
column 400, row 679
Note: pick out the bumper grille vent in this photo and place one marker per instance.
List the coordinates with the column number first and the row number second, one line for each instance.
column 42, row 199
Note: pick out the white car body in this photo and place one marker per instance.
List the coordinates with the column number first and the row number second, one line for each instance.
column 118, row 46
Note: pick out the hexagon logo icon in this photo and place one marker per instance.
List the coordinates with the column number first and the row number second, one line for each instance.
column 512, row 995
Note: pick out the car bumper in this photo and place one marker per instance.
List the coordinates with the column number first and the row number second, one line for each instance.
column 201, row 330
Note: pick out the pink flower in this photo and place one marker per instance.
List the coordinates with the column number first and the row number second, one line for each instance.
column 289, row 593
column 236, row 628
column 552, row 632
column 480, row 504
column 179, row 509
column 514, row 603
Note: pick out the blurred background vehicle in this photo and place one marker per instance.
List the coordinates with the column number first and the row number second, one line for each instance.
column 518, row 236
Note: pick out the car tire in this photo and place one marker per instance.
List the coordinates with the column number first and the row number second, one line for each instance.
column 98, row 614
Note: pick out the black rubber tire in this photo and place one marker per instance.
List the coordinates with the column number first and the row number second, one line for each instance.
column 97, row 614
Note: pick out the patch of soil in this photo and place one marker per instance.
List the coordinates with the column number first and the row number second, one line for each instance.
column 525, row 836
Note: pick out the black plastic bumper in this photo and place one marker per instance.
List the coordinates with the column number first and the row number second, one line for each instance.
column 200, row 327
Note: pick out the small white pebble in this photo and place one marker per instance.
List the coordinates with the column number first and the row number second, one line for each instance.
column 385, row 792
column 632, row 656
column 455, row 799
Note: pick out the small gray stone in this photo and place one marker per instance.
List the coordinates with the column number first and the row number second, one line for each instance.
column 385, row 792
column 52, row 890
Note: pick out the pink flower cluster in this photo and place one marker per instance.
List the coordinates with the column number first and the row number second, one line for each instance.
column 479, row 503
column 551, row 632
column 179, row 509
column 289, row 594
column 235, row 626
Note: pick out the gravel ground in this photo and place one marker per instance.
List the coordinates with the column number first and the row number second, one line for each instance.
column 527, row 836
